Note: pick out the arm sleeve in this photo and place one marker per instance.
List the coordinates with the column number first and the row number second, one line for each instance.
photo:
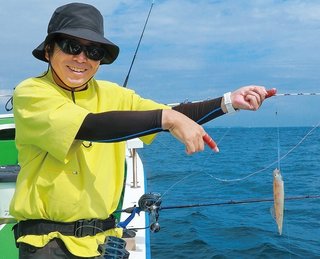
column 201, row 112
column 118, row 126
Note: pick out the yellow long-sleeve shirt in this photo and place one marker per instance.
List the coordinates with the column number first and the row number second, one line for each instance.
column 60, row 179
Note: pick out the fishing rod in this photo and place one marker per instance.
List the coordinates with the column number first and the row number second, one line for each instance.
column 268, row 95
column 136, row 51
column 151, row 204
column 233, row 202
column 296, row 94
column 273, row 92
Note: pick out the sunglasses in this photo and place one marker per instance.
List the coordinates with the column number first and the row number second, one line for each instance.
column 73, row 47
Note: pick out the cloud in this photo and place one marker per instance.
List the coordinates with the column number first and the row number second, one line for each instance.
column 213, row 45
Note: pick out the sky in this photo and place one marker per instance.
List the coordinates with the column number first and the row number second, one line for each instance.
column 191, row 50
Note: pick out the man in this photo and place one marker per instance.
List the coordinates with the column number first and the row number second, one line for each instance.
column 70, row 177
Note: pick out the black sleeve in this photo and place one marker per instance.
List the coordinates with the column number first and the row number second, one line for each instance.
column 201, row 112
column 118, row 126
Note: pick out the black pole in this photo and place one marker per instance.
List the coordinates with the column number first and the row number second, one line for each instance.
column 232, row 202
column 135, row 53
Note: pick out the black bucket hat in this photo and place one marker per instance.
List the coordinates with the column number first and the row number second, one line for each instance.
column 82, row 21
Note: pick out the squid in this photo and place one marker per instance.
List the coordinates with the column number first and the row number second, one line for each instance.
column 278, row 197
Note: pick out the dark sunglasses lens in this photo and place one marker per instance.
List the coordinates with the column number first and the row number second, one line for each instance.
column 95, row 53
column 69, row 47
column 74, row 48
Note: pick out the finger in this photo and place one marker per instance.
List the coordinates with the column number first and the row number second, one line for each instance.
column 195, row 145
column 190, row 147
column 254, row 100
column 190, row 150
column 201, row 145
column 261, row 91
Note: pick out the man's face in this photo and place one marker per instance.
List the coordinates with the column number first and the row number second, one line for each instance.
column 72, row 70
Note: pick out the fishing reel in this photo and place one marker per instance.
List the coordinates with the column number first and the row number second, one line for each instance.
column 150, row 203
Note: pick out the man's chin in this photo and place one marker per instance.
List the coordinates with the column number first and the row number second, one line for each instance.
column 76, row 83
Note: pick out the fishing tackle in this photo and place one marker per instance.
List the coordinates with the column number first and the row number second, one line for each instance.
column 234, row 202
column 297, row 94
column 133, row 211
column 272, row 93
column 151, row 203
column 278, row 194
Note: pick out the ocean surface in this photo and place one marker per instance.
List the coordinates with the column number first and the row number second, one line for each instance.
column 242, row 170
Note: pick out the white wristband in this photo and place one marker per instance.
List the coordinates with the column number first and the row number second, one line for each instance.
column 228, row 103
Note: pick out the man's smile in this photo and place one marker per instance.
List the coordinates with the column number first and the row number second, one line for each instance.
column 76, row 69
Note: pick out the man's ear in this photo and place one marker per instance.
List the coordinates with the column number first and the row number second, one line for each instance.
column 47, row 50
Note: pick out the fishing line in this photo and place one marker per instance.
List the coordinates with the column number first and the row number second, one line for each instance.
column 182, row 179
column 278, row 144
column 170, row 188
column 285, row 199
column 285, row 155
column 193, row 173
column 272, row 209
column 273, row 163
column 279, row 158
column 277, row 162
column 278, row 140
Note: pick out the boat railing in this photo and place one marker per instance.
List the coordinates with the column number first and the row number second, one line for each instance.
column 6, row 102
column 9, row 167
column 132, row 146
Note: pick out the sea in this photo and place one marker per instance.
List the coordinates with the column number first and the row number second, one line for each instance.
column 194, row 225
